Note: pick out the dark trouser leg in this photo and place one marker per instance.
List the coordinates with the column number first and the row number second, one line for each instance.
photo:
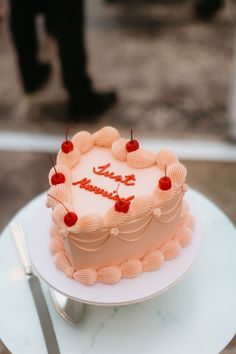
column 22, row 25
column 206, row 9
column 66, row 21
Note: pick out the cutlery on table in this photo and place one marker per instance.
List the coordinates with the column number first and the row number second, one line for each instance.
column 36, row 290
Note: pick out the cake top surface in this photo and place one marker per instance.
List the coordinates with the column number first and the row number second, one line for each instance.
column 102, row 180
column 99, row 168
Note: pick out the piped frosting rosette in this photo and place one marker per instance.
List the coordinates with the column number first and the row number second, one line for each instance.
column 113, row 218
column 165, row 157
column 141, row 206
column 60, row 193
column 58, row 214
column 70, row 159
column 64, row 170
column 83, row 141
column 177, row 173
column 140, row 159
column 119, row 149
column 105, row 137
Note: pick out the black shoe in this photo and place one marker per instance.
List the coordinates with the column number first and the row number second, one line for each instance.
column 206, row 9
column 38, row 79
column 91, row 104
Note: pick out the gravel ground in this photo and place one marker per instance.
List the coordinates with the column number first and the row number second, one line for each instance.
column 172, row 72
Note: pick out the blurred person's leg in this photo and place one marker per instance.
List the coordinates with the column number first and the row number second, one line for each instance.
column 206, row 9
column 66, row 22
column 23, row 28
column 2, row 10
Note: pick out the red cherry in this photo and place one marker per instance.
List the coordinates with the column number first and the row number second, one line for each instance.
column 58, row 178
column 165, row 183
column 67, row 146
column 122, row 206
column 70, row 218
column 132, row 145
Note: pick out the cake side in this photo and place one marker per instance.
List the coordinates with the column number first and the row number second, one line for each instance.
column 133, row 239
column 152, row 260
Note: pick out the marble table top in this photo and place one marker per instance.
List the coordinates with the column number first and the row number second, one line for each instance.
column 195, row 316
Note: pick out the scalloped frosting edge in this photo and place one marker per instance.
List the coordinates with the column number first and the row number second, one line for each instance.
column 153, row 259
column 109, row 137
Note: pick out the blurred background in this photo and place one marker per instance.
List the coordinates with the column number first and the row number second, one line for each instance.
column 171, row 65
column 173, row 74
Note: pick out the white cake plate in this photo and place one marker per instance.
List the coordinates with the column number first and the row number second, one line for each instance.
column 195, row 316
column 126, row 291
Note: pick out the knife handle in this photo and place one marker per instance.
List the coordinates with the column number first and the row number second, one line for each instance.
column 21, row 246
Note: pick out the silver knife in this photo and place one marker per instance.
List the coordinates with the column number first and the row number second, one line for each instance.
column 39, row 300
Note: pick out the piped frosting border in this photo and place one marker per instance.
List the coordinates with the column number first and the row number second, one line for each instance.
column 109, row 137
column 112, row 274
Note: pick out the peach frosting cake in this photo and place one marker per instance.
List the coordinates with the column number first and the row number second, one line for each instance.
column 117, row 209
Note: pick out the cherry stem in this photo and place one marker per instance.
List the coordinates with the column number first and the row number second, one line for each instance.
column 53, row 164
column 118, row 186
column 131, row 133
column 165, row 171
column 67, row 130
column 49, row 195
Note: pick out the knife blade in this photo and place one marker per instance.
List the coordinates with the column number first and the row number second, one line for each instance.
column 36, row 290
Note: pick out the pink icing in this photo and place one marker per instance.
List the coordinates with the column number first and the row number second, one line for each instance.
column 63, row 263
column 54, row 230
column 141, row 206
column 157, row 213
column 114, row 218
column 56, row 245
column 177, row 173
column 83, row 141
column 131, row 268
column 58, row 214
column 106, row 136
column 86, row 276
column 161, row 196
column 90, row 223
column 109, row 275
column 165, row 157
column 70, row 160
column 62, row 193
column 185, row 207
column 190, row 222
column 62, row 169
column 185, row 237
column 153, row 260
column 114, row 231
column 119, row 149
column 171, row 249
column 140, row 159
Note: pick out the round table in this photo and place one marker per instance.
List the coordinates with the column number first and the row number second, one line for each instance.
column 195, row 316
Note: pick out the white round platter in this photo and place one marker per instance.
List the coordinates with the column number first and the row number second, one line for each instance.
column 194, row 316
